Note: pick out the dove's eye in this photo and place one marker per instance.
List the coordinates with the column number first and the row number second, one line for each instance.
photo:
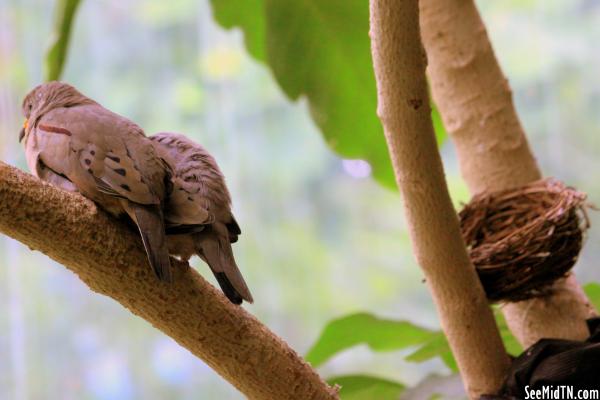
column 30, row 106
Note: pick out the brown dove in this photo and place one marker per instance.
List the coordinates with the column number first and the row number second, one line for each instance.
column 75, row 143
column 198, row 212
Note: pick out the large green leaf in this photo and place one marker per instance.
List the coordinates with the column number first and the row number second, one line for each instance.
column 390, row 335
column 248, row 15
column 438, row 346
column 321, row 50
column 379, row 334
column 59, row 39
column 365, row 387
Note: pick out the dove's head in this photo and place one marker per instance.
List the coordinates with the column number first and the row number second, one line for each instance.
column 46, row 97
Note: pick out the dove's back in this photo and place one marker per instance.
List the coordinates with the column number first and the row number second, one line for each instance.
column 198, row 212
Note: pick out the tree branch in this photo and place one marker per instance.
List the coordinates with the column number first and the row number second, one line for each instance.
column 475, row 102
column 403, row 107
column 109, row 258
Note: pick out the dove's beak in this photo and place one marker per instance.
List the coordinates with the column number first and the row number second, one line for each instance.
column 22, row 134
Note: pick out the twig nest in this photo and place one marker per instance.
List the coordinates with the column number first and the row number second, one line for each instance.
column 521, row 240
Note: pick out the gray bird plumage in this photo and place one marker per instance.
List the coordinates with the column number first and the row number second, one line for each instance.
column 75, row 143
column 198, row 212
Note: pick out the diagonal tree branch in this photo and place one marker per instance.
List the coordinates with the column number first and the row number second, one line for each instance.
column 476, row 104
column 109, row 258
column 403, row 107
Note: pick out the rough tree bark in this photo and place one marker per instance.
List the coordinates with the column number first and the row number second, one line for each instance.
column 109, row 258
column 403, row 107
column 475, row 102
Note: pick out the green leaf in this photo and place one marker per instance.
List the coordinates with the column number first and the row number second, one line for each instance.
column 321, row 50
column 437, row 346
column 390, row 335
column 592, row 290
column 59, row 40
column 362, row 328
column 365, row 387
column 248, row 15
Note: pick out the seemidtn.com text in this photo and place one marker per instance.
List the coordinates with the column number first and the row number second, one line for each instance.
column 560, row 392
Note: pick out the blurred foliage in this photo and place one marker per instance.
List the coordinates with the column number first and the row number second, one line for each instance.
column 321, row 50
column 365, row 387
column 592, row 290
column 379, row 334
column 383, row 335
column 437, row 346
column 59, row 39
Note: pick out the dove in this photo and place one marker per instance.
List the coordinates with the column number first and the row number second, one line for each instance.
column 198, row 212
column 73, row 142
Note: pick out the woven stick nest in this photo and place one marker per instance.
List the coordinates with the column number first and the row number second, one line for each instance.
column 522, row 240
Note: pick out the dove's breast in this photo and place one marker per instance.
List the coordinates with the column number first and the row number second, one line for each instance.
column 51, row 147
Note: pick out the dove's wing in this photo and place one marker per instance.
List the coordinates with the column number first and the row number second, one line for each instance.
column 187, row 210
column 106, row 153
column 185, row 207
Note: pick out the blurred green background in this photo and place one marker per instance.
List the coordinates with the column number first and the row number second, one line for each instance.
column 321, row 238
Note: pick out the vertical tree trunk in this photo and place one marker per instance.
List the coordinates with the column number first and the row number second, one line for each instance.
column 403, row 107
column 476, row 104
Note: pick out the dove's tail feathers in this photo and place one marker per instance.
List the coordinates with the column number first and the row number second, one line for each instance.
column 150, row 222
column 228, row 288
column 217, row 253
